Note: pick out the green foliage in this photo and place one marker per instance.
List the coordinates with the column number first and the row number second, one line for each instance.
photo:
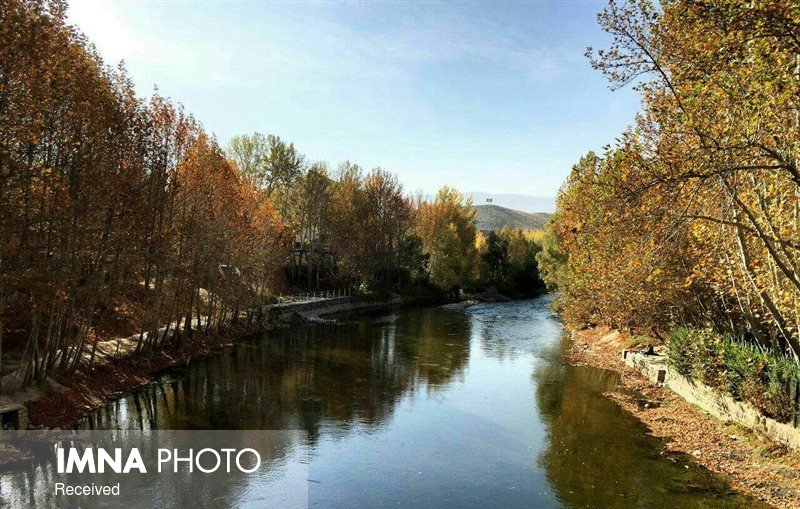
column 267, row 161
column 413, row 259
column 447, row 229
column 679, row 351
column 508, row 261
column 709, row 355
column 637, row 341
column 782, row 377
column 761, row 378
column 742, row 370
column 552, row 261
column 495, row 257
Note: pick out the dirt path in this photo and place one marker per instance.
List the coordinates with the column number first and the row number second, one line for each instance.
column 754, row 464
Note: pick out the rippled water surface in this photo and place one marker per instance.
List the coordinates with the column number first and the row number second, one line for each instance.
column 428, row 408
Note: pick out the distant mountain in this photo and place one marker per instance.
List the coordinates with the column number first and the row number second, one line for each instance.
column 494, row 217
column 521, row 202
column 516, row 201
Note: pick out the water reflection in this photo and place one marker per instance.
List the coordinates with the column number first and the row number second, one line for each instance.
column 277, row 479
column 333, row 376
column 597, row 455
column 431, row 408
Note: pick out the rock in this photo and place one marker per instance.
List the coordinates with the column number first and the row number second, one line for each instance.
column 458, row 306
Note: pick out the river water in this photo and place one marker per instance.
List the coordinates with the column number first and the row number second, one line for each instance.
column 429, row 408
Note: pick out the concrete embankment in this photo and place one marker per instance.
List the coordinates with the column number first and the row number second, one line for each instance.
column 313, row 311
column 722, row 406
column 118, row 367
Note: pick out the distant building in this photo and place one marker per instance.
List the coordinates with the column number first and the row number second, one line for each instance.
column 488, row 200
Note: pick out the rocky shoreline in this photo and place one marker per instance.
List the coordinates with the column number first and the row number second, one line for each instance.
column 753, row 464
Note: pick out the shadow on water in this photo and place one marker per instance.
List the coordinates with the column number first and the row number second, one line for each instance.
column 432, row 408
column 597, row 452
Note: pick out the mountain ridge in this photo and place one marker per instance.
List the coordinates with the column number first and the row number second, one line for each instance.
column 490, row 217
column 521, row 202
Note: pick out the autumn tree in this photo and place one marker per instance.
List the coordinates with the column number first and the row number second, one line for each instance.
column 111, row 207
column 447, row 228
column 696, row 209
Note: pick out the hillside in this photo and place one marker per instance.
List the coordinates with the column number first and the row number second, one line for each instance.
column 521, row 202
column 494, row 217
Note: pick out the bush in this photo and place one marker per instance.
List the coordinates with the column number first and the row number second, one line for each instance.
column 679, row 351
column 766, row 380
column 708, row 356
column 782, row 377
column 744, row 363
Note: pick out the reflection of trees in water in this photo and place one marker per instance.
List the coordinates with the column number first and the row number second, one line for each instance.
column 32, row 485
column 331, row 376
column 437, row 344
column 494, row 342
column 596, row 457
column 323, row 379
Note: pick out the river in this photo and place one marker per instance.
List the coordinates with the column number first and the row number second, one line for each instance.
column 429, row 408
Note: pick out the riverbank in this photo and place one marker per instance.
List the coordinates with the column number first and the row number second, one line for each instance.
column 753, row 464
column 68, row 398
column 84, row 391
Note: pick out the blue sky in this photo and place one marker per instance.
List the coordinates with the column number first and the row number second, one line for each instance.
column 493, row 97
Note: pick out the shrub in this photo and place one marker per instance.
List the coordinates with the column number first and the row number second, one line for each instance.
column 781, row 382
column 708, row 356
column 747, row 368
column 679, row 351
column 766, row 380
column 743, row 363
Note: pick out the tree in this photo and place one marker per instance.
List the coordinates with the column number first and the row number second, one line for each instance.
column 495, row 256
column 447, row 228
column 693, row 215
column 250, row 153
column 270, row 163
column 110, row 206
